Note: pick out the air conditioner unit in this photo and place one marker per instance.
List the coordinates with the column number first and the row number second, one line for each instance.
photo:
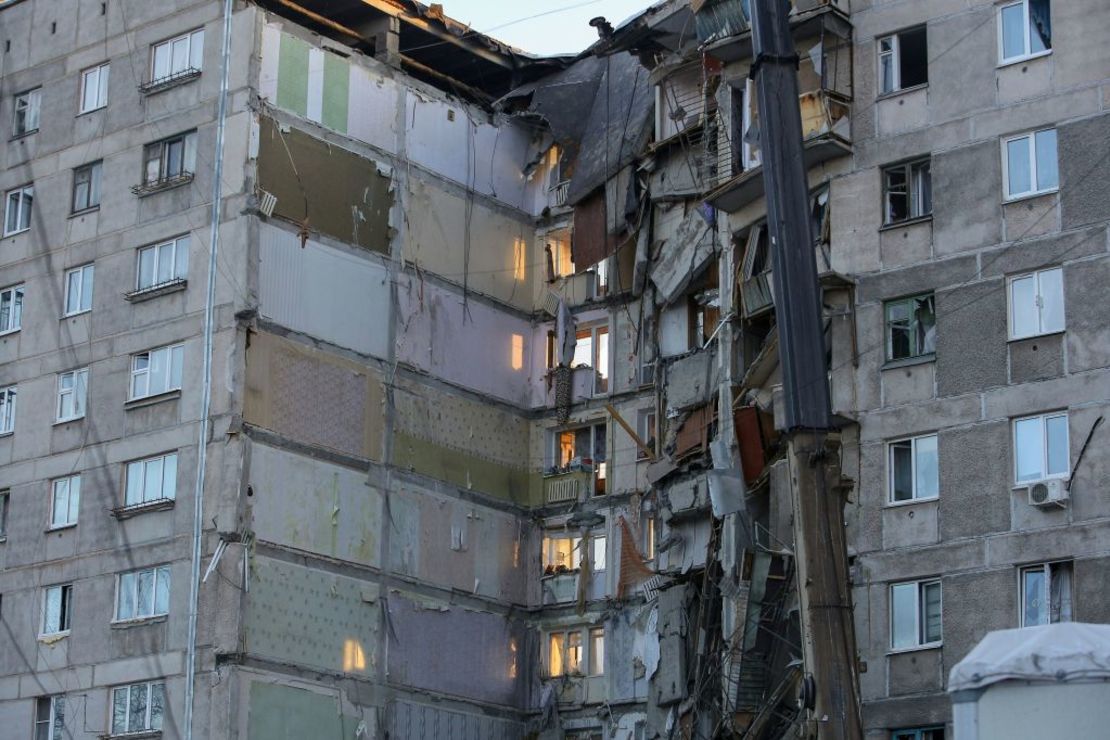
column 1049, row 493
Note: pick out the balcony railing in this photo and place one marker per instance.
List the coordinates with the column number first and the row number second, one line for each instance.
column 559, row 193
column 162, row 183
column 164, row 83
column 564, row 487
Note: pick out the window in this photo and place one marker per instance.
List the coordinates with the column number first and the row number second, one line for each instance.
column 913, row 469
column 582, row 448
column 560, row 263
column 597, row 552
column 907, row 191
column 138, row 707
column 177, row 56
column 597, row 651
column 757, row 289
column 71, row 394
column 149, row 480
column 1037, row 303
column 57, row 604
column 79, row 290
column 163, row 263
column 648, row 528
column 561, row 554
column 564, row 653
column 1024, row 30
column 94, row 88
column 1041, row 447
column 50, row 722
column 65, row 499
column 911, row 327
column 920, row 733
column 27, row 107
column 156, row 371
column 4, row 496
column 591, row 349
column 11, row 309
column 170, row 159
column 646, row 351
column 143, row 593
column 1045, row 594
column 86, row 187
column 915, row 614
column 1029, row 164
column 903, row 60
column 7, row 409
column 17, row 209
column 645, row 427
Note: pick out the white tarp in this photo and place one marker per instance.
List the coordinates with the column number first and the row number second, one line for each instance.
column 1056, row 652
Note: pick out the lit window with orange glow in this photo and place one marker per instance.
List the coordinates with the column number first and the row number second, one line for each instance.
column 573, row 663
column 518, row 351
column 354, row 659
column 555, row 654
column 520, row 260
column 512, row 657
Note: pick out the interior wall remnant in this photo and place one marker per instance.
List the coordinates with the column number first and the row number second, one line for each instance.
column 322, row 187
column 279, row 712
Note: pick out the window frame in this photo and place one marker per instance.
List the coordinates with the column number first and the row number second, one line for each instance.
column 919, row 622
column 80, row 270
column 53, row 729
column 5, row 501
column 158, row 572
column 102, row 76
column 79, row 394
column 95, row 170
column 1011, row 304
column 551, row 538
column 65, row 610
column 921, row 356
column 1036, row 191
column 1027, row 30
column 188, row 140
column 1043, row 418
column 18, row 290
column 23, row 192
column 595, row 636
column 1049, row 569
column 585, row 645
column 146, row 372
column 34, row 104
column 187, row 71
column 600, row 468
column 895, row 53
column 8, row 397
column 915, row 200
column 144, row 461
column 647, row 426
column 176, row 243
column 916, row 733
column 73, row 501
column 914, row 498
column 148, row 687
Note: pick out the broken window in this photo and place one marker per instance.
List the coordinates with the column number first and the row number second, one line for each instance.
column 1037, row 303
column 646, row 355
column 5, row 495
column 911, row 327
column 915, row 614
column 65, row 501
column 591, row 349
column 56, row 606
column 601, row 278
column 1025, row 30
column 919, row 733
column 170, row 159
column 143, row 594
column 907, row 191
column 17, row 209
column 138, row 707
column 561, row 554
column 50, row 712
column 582, row 448
column 27, row 107
column 1029, row 164
column 645, row 427
column 750, row 152
column 903, row 60
column 597, row 651
column 560, row 263
column 1041, row 447
column 913, row 469
column 756, row 290
column 1046, row 594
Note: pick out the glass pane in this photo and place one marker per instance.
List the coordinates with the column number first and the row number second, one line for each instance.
column 119, row 711
column 922, row 189
column 59, row 512
column 146, row 267
column 555, row 654
column 1028, row 449
column 159, row 371
column 597, row 652
column 899, row 339
column 927, row 482
column 897, row 200
column 925, row 325
column 1052, row 300
column 89, row 91
column 1023, row 307
column 73, row 292
column 53, row 615
column 94, row 185
column 1013, row 32
column 602, row 365
column 583, row 350
column 1056, row 430
column 574, row 652
column 901, row 471
column 886, row 69
column 125, row 600
column 1048, row 173
column 1040, row 26
column 5, row 310
column 190, row 163
column 1017, row 163
column 152, row 488
column 153, row 163
column 174, row 150
column 74, row 497
column 136, row 714
column 161, row 61
column 162, row 591
column 144, row 594
column 165, row 262
column 177, row 359
column 1034, row 589
column 157, row 705
column 59, row 717
column 931, row 608
column 134, row 493
column 87, row 288
column 903, row 611
column 598, row 554
column 181, row 257
column 169, row 476
column 196, row 49
column 102, row 86
column 180, row 55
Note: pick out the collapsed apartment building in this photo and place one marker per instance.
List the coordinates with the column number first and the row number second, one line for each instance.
column 471, row 358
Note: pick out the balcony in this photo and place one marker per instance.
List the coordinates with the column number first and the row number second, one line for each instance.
column 724, row 27
column 557, row 194
column 157, row 185
column 567, row 487
column 173, row 80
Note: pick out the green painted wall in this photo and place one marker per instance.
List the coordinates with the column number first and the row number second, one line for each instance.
column 464, row 470
column 292, row 92
column 337, row 80
column 286, row 713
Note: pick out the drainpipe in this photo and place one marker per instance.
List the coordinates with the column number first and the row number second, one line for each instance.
column 206, row 375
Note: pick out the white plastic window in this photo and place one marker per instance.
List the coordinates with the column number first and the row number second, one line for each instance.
column 1037, row 303
column 1041, row 447
column 79, row 290
column 94, row 88
column 65, row 500
column 149, row 480
column 156, row 371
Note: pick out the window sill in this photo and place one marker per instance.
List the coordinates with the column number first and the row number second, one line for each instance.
column 166, row 83
column 907, row 222
column 16, row 233
column 126, row 512
column 9, row 332
column 915, row 648
column 71, row 419
column 122, row 624
column 85, row 211
column 53, row 637
column 75, row 313
column 901, row 91
column 1046, row 335
column 139, row 735
column 7, row 434
column 145, row 294
column 1027, row 58
column 1029, row 196
column 61, row 527
column 166, row 183
column 24, row 135
column 91, row 110
column 911, row 502
column 137, row 403
column 909, row 361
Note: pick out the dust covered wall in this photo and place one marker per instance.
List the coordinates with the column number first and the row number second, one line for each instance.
column 413, row 721
column 327, row 292
column 313, row 506
column 440, row 539
column 472, row 444
column 331, row 190
column 285, row 712
column 475, row 655
column 313, row 397
column 467, row 343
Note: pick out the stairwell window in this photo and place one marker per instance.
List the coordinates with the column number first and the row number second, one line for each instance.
column 156, row 371
column 143, row 594
column 1024, row 30
column 1041, row 447
column 913, row 469
column 57, row 603
column 138, row 707
column 1046, row 594
column 11, row 309
column 1029, row 164
column 903, row 60
column 163, row 263
column 79, row 289
column 1037, row 303
column 150, row 480
column 7, row 409
column 27, row 108
column 907, row 191
column 17, row 209
column 86, row 187
column 65, row 500
column 50, row 714
column 94, row 88
column 176, row 57
column 915, row 614
column 911, row 327
column 169, row 160
column 72, row 389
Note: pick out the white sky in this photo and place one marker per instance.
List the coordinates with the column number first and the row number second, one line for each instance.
column 563, row 27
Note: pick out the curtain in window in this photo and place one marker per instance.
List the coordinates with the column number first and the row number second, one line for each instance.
column 1040, row 23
